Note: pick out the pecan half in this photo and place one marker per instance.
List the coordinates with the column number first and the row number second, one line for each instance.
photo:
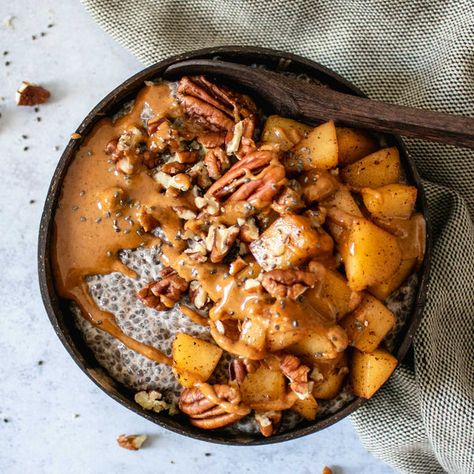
column 288, row 283
column 212, row 105
column 204, row 413
column 257, row 176
column 216, row 162
column 31, row 94
column 164, row 293
column 268, row 422
column 297, row 374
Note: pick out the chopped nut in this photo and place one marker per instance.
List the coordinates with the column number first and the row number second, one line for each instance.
column 76, row 136
column 249, row 231
column 219, row 241
column 237, row 370
column 288, row 283
column 184, row 213
column 216, row 162
column 173, row 167
column 289, row 201
column 297, row 373
column 237, row 265
column 327, row 470
column 268, row 422
column 31, row 94
column 111, row 199
column 146, row 220
column 187, row 157
column 197, row 295
column 152, row 400
column 164, row 293
column 180, row 181
column 131, row 442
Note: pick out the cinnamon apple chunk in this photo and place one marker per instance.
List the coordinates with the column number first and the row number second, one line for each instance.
column 290, row 241
column 368, row 324
column 194, row 359
column 318, row 150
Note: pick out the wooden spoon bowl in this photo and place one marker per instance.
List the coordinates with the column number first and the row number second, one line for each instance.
column 59, row 310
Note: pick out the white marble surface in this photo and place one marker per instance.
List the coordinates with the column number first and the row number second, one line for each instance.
column 53, row 419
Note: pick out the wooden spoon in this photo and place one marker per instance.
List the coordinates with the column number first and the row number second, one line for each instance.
column 298, row 99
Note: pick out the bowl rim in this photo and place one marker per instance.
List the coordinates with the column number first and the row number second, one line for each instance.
column 55, row 309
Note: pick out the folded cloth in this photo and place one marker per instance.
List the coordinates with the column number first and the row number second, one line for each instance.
column 418, row 53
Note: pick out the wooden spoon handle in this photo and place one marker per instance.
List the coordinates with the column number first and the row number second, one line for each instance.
column 390, row 118
column 304, row 100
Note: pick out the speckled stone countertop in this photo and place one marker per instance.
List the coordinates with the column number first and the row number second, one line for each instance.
column 53, row 419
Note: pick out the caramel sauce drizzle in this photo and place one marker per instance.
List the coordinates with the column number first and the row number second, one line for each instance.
column 87, row 240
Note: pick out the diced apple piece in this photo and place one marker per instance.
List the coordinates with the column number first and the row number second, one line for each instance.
column 411, row 235
column 368, row 324
column 383, row 290
column 343, row 200
column 307, row 408
column 194, row 359
column 315, row 345
column 262, row 387
column 391, row 200
column 369, row 371
column 284, row 131
column 378, row 169
column 332, row 297
column 318, row 150
column 329, row 376
column 371, row 255
column 354, row 144
column 290, row 241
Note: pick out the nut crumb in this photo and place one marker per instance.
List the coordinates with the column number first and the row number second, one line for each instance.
column 131, row 442
column 76, row 136
column 327, row 470
column 31, row 94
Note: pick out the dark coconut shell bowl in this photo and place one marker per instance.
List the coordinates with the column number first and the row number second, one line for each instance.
column 59, row 311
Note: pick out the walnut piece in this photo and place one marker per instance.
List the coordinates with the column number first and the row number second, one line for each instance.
column 268, row 422
column 131, row 442
column 288, row 283
column 205, row 414
column 164, row 293
column 297, row 374
column 31, row 94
